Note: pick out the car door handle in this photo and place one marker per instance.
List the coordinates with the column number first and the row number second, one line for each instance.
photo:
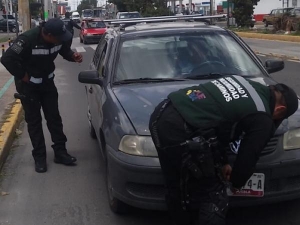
column 91, row 90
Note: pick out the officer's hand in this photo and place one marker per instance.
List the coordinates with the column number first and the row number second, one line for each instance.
column 25, row 78
column 226, row 171
column 77, row 57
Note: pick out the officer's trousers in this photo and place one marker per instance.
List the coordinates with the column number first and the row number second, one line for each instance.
column 42, row 96
column 207, row 195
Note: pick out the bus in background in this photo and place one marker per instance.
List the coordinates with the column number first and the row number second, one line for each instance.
column 86, row 14
column 99, row 12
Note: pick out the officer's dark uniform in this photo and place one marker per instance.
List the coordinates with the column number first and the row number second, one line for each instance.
column 223, row 108
column 70, row 24
column 32, row 55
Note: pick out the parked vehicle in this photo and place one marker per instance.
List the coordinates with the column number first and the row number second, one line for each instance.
column 12, row 25
column 275, row 14
column 92, row 31
column 127, row 15
column 135, row 67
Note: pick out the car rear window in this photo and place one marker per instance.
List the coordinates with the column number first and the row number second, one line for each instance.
column 129, row 15
column 95, row 24
column 180, row 55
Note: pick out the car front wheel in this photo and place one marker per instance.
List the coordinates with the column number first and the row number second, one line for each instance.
column 115, row 204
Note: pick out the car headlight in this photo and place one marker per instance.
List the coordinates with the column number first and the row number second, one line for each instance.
column 138, row 145
column 291, row 139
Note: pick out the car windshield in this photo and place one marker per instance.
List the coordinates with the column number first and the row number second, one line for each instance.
column 96, row 24
column 10, row 17
column 129, row 15
column 87, row 14
column 189, row 55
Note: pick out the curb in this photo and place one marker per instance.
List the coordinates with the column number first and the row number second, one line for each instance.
column 274, row 55
column 8, row 130
column 270, row 37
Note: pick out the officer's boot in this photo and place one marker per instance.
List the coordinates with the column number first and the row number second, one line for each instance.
column 40, row 165
column 64, row 158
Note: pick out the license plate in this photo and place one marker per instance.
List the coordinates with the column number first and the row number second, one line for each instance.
column 254, row 187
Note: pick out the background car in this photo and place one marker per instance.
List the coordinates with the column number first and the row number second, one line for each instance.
column 76, row 17
column 127, row 15
column 91, row 31
column 135, row 68
column 274, row 15
column 12, row 25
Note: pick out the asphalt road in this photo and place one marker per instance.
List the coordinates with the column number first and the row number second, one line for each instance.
column 77, row 195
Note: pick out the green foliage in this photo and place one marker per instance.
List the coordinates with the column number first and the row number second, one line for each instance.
column 243, row 10
column 86, row 4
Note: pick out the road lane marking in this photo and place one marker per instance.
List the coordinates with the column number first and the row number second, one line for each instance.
column 291, row 60
column 6, row 86
column 80, row 49
column 94, row 47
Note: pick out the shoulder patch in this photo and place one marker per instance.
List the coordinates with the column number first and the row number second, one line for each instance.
column 18, row 46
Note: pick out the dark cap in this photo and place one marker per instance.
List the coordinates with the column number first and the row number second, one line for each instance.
column 290, row 98
column 57, row 28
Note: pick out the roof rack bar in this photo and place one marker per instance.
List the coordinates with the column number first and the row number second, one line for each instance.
column 162, row 18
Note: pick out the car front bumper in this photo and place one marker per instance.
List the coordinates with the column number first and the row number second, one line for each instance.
column 138, row 181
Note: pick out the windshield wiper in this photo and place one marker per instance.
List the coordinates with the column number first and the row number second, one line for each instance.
column 210, row 75
column 147, row 80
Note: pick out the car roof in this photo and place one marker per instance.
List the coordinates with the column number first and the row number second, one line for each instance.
column 159, row 27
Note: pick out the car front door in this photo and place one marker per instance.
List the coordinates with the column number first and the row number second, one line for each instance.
column 96, row 92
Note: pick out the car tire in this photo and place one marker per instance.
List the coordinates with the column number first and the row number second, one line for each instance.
column 84, row 41
column 115, row 204
column 14, row 30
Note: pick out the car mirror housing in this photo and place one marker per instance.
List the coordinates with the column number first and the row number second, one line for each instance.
column 274, row 65
column 90, row 77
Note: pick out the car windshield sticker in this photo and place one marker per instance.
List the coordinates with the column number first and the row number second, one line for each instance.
column 195, row 95
column 18, row 46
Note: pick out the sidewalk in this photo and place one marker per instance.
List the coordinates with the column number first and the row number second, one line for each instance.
column 281, row 48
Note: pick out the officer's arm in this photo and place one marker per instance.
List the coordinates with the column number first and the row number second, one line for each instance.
column 16, row 55
column 76, row 25
column 258, row 128
column 66, row 52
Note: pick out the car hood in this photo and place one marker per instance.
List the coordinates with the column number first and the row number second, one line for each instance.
column 140, row 100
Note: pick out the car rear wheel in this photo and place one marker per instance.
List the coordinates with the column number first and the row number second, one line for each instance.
column 115, row 204
column 14, row 30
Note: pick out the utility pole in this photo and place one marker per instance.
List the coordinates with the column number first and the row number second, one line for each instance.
column 24, row 15
column 211, row 10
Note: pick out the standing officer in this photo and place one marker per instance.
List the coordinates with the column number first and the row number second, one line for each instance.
column 69, row 23
column 190, row 130
column 31, row 61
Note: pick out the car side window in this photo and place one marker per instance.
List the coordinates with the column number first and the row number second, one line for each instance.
column 98, row 51
column 102, row 62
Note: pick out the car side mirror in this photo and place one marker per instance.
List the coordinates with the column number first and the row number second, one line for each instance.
column 90, row 77
column 274, row 65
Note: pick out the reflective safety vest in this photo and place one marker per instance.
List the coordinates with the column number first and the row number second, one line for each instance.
column 222, row 102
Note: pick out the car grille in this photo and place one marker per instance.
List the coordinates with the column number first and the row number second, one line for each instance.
column 271, row 146
column 283, row 185
column 146, row 191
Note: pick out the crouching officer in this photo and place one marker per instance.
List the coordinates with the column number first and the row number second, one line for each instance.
column 70, row 24
column 191, row 130
column 31, row 61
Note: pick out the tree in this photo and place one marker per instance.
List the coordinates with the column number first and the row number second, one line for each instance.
column 243, row 10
